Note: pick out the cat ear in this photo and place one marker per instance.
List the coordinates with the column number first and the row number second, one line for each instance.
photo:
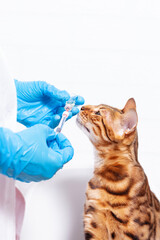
column 129, row 121
column 131, row 104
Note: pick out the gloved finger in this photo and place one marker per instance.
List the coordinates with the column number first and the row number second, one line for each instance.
column 55, row 162
column 67, row 150
column 54, row 146
column 60, row 95
column 67, row 154
column 75, row 111
column 79, row 100
column 60, row 110
column 55, row 121
column 43, row 129
column 62, row 141
column 69, row 116
column 51, row 138
column 46, row 131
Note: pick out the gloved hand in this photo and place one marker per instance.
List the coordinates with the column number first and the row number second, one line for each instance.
column 39, row 102
column 34, row 154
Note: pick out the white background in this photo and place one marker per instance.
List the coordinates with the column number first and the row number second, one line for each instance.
column 106, row 51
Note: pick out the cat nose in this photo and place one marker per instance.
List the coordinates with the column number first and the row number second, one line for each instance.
column 86, row 107
column 82, row 108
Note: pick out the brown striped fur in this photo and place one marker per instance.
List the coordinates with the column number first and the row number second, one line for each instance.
column 119, row 203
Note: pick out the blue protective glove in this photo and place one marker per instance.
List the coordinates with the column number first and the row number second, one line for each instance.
column 39, row 102
column 34, row 154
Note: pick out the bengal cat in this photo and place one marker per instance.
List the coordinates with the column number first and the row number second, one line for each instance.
column 119, row 203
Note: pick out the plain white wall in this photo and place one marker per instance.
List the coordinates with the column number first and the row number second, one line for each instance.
column 106, row 51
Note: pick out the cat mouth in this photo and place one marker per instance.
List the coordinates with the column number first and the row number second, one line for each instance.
column 80, row 124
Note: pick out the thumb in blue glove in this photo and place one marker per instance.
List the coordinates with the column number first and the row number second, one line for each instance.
column 34, row 154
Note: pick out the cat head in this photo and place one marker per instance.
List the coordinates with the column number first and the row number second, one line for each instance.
column 104, row 124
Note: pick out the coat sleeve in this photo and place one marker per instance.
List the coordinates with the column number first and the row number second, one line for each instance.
column 10, row 222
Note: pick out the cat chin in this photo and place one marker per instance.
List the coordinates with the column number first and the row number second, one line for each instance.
column 81, row 126
column 86, row 131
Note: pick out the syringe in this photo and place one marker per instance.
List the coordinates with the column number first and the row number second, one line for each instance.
column 68, row 107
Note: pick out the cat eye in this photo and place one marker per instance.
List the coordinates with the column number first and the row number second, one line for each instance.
column 97, row 113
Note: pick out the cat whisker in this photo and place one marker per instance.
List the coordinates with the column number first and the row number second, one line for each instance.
column 80, row 123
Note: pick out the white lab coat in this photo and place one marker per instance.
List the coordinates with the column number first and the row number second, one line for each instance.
column 11, row 200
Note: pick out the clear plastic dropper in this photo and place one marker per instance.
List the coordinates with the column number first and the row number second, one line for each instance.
column 68, row 107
